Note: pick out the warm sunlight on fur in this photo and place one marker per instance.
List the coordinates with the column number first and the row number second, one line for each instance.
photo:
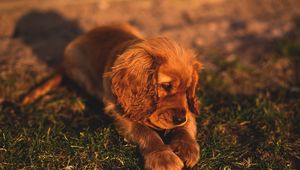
column 147, row 85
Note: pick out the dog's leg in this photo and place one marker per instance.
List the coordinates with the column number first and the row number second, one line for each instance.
column 183, row 142
column 157, row 155
column 49, row 84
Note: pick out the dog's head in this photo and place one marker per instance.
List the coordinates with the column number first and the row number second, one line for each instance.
column 155, row 81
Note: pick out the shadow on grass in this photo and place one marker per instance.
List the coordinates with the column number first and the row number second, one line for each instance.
column 47, row 33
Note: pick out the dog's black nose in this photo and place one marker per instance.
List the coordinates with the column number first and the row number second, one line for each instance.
column 179, row 119
column 179, row 116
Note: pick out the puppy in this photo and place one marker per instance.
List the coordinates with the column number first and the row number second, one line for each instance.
column 147, row 85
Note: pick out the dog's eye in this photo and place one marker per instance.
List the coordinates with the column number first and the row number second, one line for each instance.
column 167, row 86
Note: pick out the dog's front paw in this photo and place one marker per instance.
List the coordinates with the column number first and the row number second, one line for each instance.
column 188, row 151
column 163, row 160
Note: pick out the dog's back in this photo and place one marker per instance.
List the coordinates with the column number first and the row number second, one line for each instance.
column 93, row 53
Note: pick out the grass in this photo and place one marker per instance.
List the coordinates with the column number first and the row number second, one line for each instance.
column 236, row 130
column 250, row 132
column 50, row 137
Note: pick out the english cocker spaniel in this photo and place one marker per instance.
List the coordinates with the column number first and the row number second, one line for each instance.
column 147, row 85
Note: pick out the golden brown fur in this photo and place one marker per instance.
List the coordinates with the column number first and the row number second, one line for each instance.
column 147, row 85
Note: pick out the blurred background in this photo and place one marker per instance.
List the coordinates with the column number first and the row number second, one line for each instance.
column 261, row 35
column 250, row 86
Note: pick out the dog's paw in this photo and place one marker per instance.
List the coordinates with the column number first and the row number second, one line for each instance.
column 188, row 151
column 163, row 160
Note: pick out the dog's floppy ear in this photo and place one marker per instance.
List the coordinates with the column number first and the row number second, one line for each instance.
column 133, row 80
column 193, row 101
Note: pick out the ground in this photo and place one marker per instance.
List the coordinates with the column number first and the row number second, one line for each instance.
column 249, row 87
